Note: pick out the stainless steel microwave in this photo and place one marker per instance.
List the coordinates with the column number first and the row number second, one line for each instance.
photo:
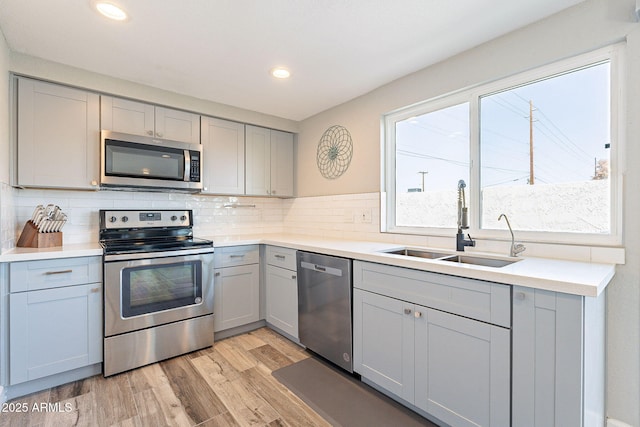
column 133, row 161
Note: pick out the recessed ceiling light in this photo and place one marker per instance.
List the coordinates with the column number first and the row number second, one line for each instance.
column 111, row 11
column 280, row 73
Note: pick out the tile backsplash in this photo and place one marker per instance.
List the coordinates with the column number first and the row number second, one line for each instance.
column 211, row 217
column 7, row 217
column 350, row 216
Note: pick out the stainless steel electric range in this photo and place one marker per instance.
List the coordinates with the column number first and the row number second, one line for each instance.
column 158, row 287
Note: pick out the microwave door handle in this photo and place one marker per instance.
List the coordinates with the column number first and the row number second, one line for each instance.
column 187, row 166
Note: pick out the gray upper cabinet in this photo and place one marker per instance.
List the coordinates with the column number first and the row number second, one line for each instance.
column 57, row 126
column 139, row 118
column 269, row 162
column 223, row 156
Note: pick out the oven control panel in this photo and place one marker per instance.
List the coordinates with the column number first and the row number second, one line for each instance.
column 113, row 219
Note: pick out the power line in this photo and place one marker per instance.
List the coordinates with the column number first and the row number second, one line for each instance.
column 426, row 156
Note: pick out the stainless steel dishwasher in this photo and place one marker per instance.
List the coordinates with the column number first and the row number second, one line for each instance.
column 324, row 307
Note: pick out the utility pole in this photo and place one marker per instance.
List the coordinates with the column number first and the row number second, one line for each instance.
column 531, row 174
column 423, row 174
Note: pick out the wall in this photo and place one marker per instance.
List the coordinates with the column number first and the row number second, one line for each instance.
column 7, row 219
column 587, row 26
column 212, row 219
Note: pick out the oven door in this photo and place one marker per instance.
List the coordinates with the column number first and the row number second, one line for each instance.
column 155, row 290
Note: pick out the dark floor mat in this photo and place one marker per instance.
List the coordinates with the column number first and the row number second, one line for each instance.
column 343, row 400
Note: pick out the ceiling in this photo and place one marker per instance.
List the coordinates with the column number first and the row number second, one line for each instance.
column 222, row 50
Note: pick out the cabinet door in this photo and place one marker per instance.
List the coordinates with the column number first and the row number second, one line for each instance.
column 58, row 136
column 258, row 161
column 383, row 350
column 123, row 115
column 177, row 125
column 54, row 330
column 281, row 164
column 462, row 369
column 282, row 299
column 548, row 360
column 236, row 296
column 223, row 156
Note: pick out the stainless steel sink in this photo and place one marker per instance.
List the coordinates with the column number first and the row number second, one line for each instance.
column 417, row 253
column 486, row 262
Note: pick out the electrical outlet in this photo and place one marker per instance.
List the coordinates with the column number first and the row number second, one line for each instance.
column 365, row 216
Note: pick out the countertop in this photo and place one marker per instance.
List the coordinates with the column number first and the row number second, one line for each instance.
column 571, row 277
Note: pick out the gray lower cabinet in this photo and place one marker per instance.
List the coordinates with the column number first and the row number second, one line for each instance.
column 236, row 287
column 282, row 290
column 55, row 317
column 558, row 359
column 451, row 366
column 54, row 330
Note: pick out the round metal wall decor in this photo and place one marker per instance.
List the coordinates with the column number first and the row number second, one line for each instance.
column 335, row 150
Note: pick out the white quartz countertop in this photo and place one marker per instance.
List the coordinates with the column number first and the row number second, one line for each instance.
column 572, row 277
column 66, row 251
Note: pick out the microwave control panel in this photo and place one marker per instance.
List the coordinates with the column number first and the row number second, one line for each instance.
column 194, row 176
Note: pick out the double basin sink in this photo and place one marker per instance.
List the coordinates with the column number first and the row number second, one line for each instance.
column 461, row 259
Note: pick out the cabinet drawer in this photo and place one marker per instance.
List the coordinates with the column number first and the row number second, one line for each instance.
column 485, row 301
column 236, row 255
column 281, row 257
column 54, row 273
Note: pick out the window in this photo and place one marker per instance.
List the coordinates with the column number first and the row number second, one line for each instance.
column 432, row 149
column 539, row 147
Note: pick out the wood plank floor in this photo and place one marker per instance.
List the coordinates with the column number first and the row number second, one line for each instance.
column 229, row 384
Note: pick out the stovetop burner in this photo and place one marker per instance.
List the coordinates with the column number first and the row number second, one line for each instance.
column 133, row 231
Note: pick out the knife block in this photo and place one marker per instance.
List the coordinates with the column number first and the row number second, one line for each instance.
column 31, row 238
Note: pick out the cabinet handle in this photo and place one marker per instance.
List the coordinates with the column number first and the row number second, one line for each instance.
column 94, row 182
column 49, row 273
column 279, row 256
column 294, row 276
column 205, row 188
column 159, row 134
column 237, row 256
column 150, row 132
column 273, row 191
column 417, row 314
column 217, row 274
column 407, row 311
column 95, row 290
column 519, row 295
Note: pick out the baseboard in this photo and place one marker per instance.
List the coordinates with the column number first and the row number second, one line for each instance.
column 220, row 335
column 22, row 389
column 611, row 422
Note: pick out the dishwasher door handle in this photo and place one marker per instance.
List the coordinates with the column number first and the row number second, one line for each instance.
column 321, row 268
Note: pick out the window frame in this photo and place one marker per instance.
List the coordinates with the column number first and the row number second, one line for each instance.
column 613, row 54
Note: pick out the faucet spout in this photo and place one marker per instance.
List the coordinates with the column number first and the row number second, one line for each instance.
column 516, row 248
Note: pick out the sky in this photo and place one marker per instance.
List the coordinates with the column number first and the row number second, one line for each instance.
column 571, row 114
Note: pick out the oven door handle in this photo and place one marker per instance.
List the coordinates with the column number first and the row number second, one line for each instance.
column 164, row 254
